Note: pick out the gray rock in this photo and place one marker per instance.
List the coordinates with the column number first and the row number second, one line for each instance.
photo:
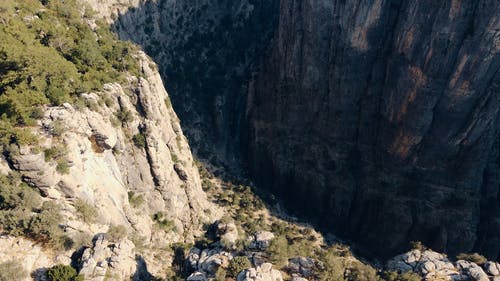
column 108, row 261
column 302, row 265
column 228, row 233
column 474, row 271
column 265, row 272
column 492, row 268
column 260, row 240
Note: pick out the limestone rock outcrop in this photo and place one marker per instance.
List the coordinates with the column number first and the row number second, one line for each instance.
column 125, row 156
column 265, row 272
column 261, row 240
column 108, row 261
column 32, row 257
column 303, row 266
column 435, row 266
column 206, row 262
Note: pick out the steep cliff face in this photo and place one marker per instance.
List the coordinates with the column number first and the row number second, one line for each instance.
column 384, row 117
column 206, row 51
column 127, row 159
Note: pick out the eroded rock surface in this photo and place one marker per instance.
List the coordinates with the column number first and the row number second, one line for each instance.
column 108, row 261
column 265, row 272
column 435, row 266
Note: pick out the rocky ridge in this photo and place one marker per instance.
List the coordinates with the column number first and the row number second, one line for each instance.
column 107, row 170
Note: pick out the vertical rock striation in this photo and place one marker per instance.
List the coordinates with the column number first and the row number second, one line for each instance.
column 384, row 115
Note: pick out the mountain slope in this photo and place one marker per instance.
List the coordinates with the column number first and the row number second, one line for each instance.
column 88, row 125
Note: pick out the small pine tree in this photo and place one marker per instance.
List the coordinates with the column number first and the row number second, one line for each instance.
column 63, row 272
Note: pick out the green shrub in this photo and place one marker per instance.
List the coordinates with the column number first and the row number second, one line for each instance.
column 168, row 103
column 406, row 276
column 108, row 101
column 44, row 226
column 139, row 140
column 82, row 239
column 55, row 153
column 362, row 272
column 62, row 272
column 472, row 257
column 278, row 251
column 12, row 270
column 237, row 264
column 163, row 222
column 334, row 266
column 62, row 167
column 135, row 200
column 58, row 128
column 174, row 157
column 220, row 274
column 124, row 115
column 85, row 211
column 21, row 214
column 117, row 233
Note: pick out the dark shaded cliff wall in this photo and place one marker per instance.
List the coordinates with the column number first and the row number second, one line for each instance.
column 206, row 51
column 381, row 120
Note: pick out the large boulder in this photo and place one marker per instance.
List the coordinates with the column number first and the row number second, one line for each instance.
column 303, row 266
column 474, row 271
column 265, row 272
column 228, row 234
column 207, row 261
column 492, row 268
column 429, row 264
column 261, row 240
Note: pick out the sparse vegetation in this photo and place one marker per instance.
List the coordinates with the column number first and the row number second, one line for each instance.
column 406, row 276
column 117, row 233
column 135, row 200
column 139, row 140
column 22, row 213
column 163, row 222
column 361, row 272
column 168, row 103
column 62, row 167
column 237, row 264
column 82, row 239
column 124, row 115
column 472, row 257
column 85, row 211
column 220, row 274
column 55, row 153
column 417, row 245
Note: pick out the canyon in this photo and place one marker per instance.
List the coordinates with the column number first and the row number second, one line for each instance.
column 369, row 123
column 382, row 113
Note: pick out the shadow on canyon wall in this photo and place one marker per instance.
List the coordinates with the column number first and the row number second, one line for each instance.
column 379, row 120
column 206, row 52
